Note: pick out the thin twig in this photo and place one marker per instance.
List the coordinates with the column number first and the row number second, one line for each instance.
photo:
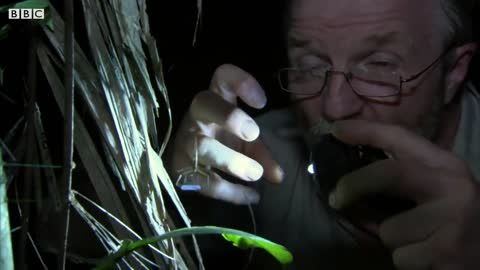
column 107, row 238
column 68, row 127
column 198, row 22
column 38, row 166
column 45, row 157
column 7, row 98
column 74, row 193
column 254, row 227
column 5, row 147
column 12, row 133
column 44, row 266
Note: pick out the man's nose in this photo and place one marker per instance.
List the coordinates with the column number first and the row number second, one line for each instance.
column 339, row 100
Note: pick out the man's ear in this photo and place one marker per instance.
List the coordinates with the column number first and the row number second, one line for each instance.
column 461, row 57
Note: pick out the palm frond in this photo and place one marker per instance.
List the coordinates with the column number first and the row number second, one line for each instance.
column 119, row 86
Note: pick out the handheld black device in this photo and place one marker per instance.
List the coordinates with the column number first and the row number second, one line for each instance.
column 331, row 159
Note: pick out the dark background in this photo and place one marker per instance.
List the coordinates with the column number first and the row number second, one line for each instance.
column 243, row 33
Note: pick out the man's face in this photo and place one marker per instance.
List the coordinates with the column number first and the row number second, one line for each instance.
column 402, row 35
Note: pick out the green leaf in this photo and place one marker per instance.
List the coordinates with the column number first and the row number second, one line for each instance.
column 4, row 31
column 49, row 22
column 279, row 252
column 32, row 4
column 239, row 238
column 6, row 7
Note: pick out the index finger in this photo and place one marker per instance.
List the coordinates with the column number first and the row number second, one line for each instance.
column 398, row 141
column 257, row 150
column 231, row 82
column 386, row 177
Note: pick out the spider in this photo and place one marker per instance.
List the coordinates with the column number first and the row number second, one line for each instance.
column 193, row 178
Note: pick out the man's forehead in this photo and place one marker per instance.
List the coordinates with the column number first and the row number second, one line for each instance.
column 331, row 11
column 415, row 22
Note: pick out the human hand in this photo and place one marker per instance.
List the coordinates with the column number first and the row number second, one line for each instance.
column 226, row 137
column 442, row 231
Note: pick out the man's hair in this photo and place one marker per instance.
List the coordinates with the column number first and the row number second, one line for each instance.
column 460, row 14
column 463, row 24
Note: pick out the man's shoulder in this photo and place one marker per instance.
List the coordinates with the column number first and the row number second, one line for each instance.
column 467, row 139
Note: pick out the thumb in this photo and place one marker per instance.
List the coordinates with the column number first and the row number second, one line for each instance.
column 258, row 151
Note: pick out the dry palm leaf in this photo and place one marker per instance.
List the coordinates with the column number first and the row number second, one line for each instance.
column 119, row 87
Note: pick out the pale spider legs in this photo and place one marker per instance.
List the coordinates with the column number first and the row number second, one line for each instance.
column 193, row 178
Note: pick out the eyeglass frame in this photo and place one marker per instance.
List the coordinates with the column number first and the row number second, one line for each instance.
column 349, row 75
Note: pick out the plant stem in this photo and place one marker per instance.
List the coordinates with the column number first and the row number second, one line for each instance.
column 68, row 127
column 129, row 246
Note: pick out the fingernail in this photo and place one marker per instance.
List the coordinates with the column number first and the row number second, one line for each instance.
column 262, row 98
column 332, row 200
column 249, row 130
column 279, row 174
column 255, row 171
column 257, row 94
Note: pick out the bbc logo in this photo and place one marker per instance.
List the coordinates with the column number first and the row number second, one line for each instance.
column 26, row 13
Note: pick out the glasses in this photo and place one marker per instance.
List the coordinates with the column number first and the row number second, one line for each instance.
column 377, row 81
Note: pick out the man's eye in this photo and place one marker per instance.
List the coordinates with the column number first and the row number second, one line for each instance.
column 381, row 64
column 309, row 61
column 310, row 66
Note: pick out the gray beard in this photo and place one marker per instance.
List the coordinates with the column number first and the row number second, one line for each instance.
column 428, row 127
column 314, row 132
